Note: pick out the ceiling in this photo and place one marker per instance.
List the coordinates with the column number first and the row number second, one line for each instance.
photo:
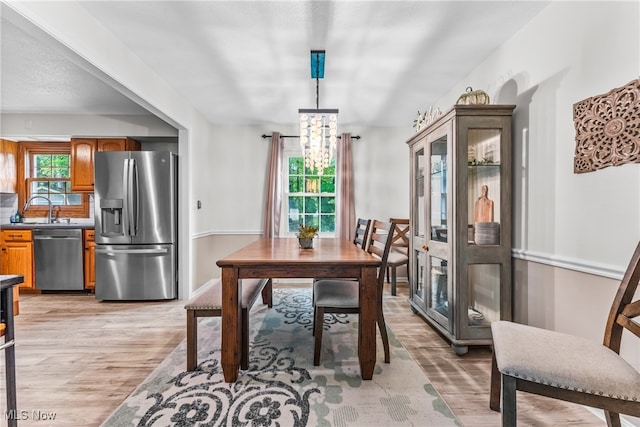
column 247, row 62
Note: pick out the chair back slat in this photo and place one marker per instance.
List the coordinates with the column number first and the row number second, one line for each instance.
column 400, row 234
column 362, row 232
column 624, row 308
column 632, row 309
column 629, row 324
column 380, row 243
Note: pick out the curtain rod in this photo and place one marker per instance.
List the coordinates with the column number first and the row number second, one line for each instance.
column 298, row 136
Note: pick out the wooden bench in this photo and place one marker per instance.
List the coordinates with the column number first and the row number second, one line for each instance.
column 208, row 303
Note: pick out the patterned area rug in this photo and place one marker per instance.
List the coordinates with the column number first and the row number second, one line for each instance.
column 281, row 386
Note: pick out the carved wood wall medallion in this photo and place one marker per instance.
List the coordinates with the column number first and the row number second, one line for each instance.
column 608, row 129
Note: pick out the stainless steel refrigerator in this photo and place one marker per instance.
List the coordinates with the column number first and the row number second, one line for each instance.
column 136, row 225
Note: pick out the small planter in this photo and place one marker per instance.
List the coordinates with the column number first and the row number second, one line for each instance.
column 306, row 233
column 305, row 243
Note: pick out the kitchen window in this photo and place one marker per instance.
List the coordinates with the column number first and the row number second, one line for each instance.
column 47, row 172
column 309, row 199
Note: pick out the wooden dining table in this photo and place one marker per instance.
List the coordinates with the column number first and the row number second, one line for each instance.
column 283, row 258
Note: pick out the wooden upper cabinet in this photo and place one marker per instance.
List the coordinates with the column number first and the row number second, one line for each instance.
column 82, row 151
column 82, row 158
column 8, row 166
column 118, row 144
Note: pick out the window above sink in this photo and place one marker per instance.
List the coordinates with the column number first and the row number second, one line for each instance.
column 44, row 170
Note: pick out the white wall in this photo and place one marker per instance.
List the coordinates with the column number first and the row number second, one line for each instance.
column 569, row 52
column 232, row 172
column 230, row 179
column 580, row 229
column 381, row 172
column 574, row 234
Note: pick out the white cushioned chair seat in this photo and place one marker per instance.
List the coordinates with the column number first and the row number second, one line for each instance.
column 396, row 257
column 336, row 293
column 211, row 296
column 563, row 361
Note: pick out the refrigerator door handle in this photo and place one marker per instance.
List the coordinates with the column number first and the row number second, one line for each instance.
column 130, row 189
column 131, row 251
column 134, row 195
column 125, row 195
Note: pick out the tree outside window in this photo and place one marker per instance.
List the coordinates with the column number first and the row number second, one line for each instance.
column 310, row 198
column 47, row 172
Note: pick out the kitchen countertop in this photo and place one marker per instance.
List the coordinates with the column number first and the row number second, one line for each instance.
column 8, row 280
column 28, row 226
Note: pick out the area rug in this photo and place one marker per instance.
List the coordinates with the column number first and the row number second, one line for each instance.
column 281, row 386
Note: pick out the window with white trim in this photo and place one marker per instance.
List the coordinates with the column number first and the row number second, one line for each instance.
column 47, row 172
column 309, row 198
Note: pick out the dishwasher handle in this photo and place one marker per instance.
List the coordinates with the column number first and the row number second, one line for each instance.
column 36, row 237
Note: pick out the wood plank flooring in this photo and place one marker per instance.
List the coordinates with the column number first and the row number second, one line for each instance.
column 78, row 358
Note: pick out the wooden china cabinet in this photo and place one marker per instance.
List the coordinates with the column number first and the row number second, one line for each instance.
column 460, row 244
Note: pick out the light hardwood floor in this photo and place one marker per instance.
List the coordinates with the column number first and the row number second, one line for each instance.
column 78, row 359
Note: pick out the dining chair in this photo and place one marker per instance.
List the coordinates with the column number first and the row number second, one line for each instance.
column 567, row 367
column 342, row 296
column 399, row 254
column 360, row 239
column 362, row 232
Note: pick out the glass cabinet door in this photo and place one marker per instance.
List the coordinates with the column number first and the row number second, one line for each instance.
column 418, row 293
column 438, row 277
column 419, row 222
column 438, row 305
column 484, row 186
column 482, row 271
column 483, row 295
column 438, row 189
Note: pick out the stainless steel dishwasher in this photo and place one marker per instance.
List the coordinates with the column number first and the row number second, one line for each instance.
column 58, row 259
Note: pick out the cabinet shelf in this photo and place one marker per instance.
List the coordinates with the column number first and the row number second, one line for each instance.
column 460, row 254
column 483, row 165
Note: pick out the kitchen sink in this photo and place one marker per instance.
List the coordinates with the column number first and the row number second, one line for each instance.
column 46, row 225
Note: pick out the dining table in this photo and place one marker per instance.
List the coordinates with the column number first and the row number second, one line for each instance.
column 282, row 258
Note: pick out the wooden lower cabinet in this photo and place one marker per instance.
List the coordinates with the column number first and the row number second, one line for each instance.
column 16, row 257
column 89, row 259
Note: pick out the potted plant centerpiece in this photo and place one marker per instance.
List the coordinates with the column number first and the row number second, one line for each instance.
column 306, row 234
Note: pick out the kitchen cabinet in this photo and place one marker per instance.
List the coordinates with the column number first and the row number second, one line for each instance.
column 82, row 151
column 16, row 252
column 460, row 209
column 89, row 259
column 82, row 158
column 8, row 166
column 118, row 144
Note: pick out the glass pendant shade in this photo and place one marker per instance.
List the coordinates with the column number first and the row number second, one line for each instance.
column 318, row 137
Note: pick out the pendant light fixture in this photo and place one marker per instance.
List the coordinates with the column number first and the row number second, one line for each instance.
column 318, row 128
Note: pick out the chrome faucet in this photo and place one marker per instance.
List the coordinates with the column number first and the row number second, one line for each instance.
column 26, row 206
